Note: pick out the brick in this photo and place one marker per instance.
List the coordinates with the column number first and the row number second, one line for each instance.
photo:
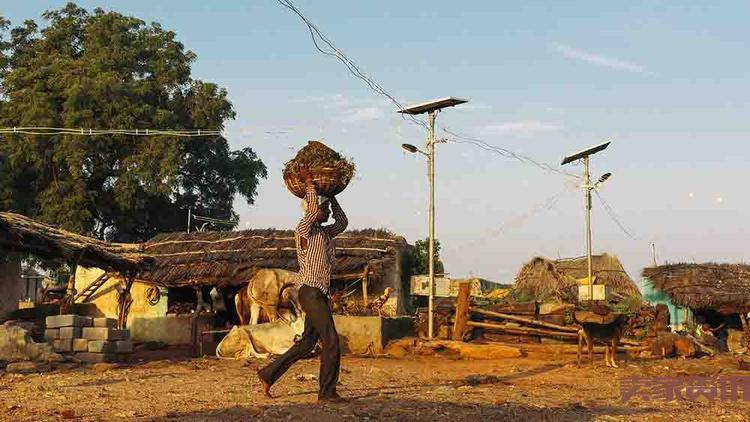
column 124, row 346
column 105, row 322
column 80, row 345
column 96, row 357
column 63, row 345
column 71, row 332
column 51, row 334
column 57, row 321
column 102, row 333
column 102, row 346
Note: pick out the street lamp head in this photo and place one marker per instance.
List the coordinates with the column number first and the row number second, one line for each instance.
column 604, row 177
column 409, row 147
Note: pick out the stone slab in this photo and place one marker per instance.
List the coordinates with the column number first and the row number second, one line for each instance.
column 96, row 357
column 51, row 334
column 71, row 332
column 103, row 333
column 105, row 322
column 70, row 320
column 26, row 367
column 63, row 345
column 124, row 346
column 80, row 345
column 102, row 346
column 370, row 334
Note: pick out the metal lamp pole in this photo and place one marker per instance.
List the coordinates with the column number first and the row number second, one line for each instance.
column 431, row 176
column 587, row 192
column 431, row 108
column 587, row 188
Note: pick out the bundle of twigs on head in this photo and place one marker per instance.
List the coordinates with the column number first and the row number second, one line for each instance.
column 330, row 171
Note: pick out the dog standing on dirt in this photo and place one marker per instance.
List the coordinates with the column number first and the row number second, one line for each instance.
column 608, row 333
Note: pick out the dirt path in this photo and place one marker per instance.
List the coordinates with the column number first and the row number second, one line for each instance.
column 410, row 389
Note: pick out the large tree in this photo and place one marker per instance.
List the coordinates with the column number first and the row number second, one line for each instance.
column 106, row 70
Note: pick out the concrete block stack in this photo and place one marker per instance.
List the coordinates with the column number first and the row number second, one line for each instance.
column 90, row 340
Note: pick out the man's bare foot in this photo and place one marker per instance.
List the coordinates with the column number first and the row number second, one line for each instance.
column 335, row 398
column 266, row 387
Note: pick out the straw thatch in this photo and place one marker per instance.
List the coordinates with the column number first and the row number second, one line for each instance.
column 721, row 287
column 203, row 258
column 231, row 258
column 22, row 234
column 545, row 279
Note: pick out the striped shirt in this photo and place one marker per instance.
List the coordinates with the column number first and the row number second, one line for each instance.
column 316, row 254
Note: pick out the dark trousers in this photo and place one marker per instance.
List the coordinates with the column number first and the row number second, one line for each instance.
column 318, row 325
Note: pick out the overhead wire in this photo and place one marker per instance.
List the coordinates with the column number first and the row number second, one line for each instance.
column 613, row 216
column 48, row 131
column 316, row 35
column 463, row 139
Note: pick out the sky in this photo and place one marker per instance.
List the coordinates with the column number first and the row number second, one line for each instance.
column 667, row 82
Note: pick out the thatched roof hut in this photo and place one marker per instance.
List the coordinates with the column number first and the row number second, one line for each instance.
column 22, row 234
column 721, row 287
column 546, row 279
column 202, row 258
column 230, row 258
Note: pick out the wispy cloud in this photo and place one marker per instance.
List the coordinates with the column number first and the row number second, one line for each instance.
column 520, row 127
column 604, row 61
column 362, row 114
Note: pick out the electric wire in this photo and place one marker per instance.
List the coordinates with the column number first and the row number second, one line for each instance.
column 49, row 131
column 316, row 35
column 613, row 216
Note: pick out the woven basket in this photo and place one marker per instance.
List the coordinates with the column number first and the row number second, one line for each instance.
column 328, row 182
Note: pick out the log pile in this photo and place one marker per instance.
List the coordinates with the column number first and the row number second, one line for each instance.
column 514, row 320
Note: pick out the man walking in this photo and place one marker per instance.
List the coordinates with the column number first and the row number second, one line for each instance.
column 315, row 255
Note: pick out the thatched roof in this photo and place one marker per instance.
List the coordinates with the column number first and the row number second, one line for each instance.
column 545, row 279
column 231, row 258
column 22, row 234
column 203, row 258
column 721, row 287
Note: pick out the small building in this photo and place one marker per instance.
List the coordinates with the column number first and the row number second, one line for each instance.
column 139, row 283
column 543, row 279
column 718, row 293
column 367, row 260
column 448, row 287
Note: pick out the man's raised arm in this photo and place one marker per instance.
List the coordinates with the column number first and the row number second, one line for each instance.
column 339, row 217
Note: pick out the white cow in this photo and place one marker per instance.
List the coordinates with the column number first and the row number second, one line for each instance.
column 269, row 290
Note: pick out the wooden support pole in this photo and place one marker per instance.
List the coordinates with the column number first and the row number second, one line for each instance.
column 528, row 321
column 365, row 276
column 521, row 330
column 462, row 311
column 124, row 301
column 745, row 330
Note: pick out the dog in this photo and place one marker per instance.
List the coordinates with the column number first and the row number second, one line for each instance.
column 608, row 332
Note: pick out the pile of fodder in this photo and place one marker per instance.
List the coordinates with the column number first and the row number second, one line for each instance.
column 331, row 172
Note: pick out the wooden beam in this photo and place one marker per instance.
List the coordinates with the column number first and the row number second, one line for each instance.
column 462, row 311
column 521, row 330
column 524, row 320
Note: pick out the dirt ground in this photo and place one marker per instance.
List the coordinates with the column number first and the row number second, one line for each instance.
column 407, row 389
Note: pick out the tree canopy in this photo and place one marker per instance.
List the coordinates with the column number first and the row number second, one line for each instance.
column 102, row 69
column 421, row 259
